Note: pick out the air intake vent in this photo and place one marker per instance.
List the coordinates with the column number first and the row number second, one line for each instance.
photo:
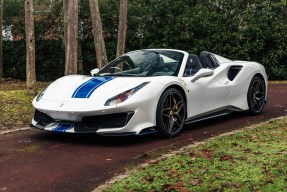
column 233, row 72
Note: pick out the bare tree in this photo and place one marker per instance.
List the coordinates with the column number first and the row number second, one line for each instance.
column 1, row 52
column 30, row 48
column 98, row 34
column 71, row 65
column 122, row 27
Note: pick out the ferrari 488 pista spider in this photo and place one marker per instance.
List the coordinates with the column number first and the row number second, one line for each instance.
column 152, row 90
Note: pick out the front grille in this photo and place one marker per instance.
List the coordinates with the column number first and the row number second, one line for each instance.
column 115, row 120
column 42, row 118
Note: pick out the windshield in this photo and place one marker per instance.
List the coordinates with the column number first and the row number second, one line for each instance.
column 144, row 63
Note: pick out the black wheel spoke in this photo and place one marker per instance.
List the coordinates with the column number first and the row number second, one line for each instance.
column 164, row 115
column 257, row 85
column 170, row 125
column 172, row 112
column 173, row 99
column 253, row 91
column 179, row 118
column 179, row 108
column 256, row 106
column 170, row 101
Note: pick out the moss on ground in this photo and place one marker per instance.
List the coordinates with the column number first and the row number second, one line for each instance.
column 16, row 109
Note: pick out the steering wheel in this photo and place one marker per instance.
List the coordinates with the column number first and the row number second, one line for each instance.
column 130, row 65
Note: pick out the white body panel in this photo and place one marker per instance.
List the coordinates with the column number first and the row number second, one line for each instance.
column 205, row 95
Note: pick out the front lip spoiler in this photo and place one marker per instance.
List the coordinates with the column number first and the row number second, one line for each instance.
column 118, row 134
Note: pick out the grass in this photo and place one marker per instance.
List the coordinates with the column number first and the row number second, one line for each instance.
column 16, row 109
column 254, row 160
column 15, row 106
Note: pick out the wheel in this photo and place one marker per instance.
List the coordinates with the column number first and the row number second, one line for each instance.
column 256, row 96
column 171, row 113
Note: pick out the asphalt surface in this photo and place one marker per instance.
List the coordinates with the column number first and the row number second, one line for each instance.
column 37, row 160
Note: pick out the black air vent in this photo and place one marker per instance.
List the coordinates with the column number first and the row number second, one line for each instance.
column 42, row 118
column 115, row 120
column 233, row 72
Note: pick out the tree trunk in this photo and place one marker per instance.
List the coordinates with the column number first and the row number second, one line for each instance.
column 80, row 60
column 1, row 43
column 30, row 48
column 122, row 27
column 100, row 48
column 71, row 65
column 65, row 14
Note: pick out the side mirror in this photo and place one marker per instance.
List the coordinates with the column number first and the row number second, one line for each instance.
column 94, row 71
column 202, row 73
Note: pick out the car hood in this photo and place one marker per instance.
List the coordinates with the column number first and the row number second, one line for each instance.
column 79, row 87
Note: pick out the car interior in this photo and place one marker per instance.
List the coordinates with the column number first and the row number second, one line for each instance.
column 195, row 63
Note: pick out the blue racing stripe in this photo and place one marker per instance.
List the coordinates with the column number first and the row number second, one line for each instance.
column 63, row 127
column 86, row 89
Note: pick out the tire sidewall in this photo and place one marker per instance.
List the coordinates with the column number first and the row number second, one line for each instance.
column 249, row 98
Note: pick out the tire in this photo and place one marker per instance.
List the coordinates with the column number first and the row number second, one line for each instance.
column 171, row 113
column 256, row 96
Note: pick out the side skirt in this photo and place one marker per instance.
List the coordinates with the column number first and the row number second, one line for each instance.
column 212, row 114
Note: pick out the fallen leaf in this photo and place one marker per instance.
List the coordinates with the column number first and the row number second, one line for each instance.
column 196, row 182
column 226, row 157
column 243, row 158
column 171, row 170
column 254, row 137
column 154, row 162
column 179, row 184
column 258, row 153
column 203, row 171
column 234, row 144
column 150, row 178
column 207, row 153
column 166, row 186
column 248, row 150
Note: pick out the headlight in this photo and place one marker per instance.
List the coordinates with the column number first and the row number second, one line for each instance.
column 40, row 95
column 124, row 95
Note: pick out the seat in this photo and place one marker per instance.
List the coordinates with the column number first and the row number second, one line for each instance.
column 159, row 66
column 193, row 65
column 207, row 61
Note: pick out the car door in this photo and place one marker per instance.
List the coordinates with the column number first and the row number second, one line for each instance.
column 207, row 94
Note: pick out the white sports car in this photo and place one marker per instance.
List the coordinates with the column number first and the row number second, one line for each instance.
column 152, row 90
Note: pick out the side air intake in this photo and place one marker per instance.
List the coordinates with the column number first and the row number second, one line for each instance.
column 233, row 72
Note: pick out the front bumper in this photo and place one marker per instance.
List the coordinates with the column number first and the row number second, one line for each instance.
column 87, row 125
